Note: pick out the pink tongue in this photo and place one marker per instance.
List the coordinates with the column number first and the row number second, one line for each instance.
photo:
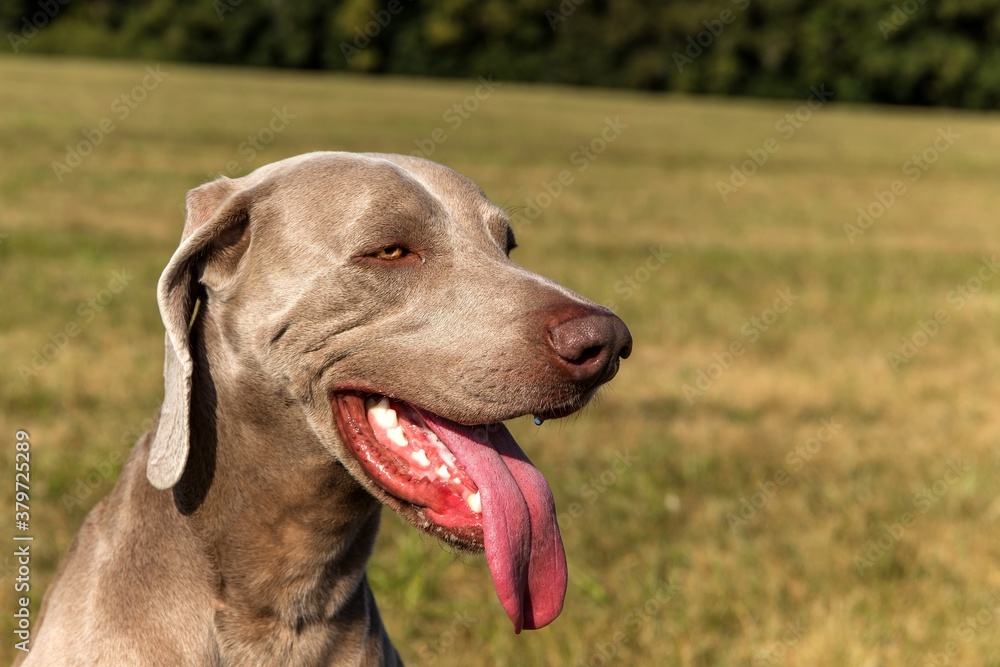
column 523, row 546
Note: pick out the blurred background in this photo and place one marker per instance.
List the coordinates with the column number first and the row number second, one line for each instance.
column 908, row 52
column 792, row 205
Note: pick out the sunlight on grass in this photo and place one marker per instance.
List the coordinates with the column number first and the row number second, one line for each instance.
column 683, row 547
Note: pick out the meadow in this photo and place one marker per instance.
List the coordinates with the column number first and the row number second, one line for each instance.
column 797, row 466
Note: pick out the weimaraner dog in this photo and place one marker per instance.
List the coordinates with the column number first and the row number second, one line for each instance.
column 344, row 331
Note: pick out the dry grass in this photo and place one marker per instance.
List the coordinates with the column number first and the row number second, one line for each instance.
column 659, row 575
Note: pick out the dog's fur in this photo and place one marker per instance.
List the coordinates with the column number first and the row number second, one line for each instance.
column 240, row 527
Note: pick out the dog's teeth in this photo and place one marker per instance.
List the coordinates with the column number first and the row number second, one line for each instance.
column 474, row 503
column 384, row 415
column 395, row 434
column 372, row 402
column 447, row 456
column 442, row 472
column 420, row 456
column 387, row 419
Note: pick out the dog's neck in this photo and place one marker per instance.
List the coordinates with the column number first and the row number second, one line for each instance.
column 287, row 531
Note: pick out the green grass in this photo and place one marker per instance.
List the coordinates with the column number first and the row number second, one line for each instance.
column 657, row 574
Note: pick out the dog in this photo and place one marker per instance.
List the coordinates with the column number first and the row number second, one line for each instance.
column 343, row 331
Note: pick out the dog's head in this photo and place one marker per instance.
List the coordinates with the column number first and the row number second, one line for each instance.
column 376, row 294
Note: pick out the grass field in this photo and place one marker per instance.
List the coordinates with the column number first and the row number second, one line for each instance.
column 797, row 466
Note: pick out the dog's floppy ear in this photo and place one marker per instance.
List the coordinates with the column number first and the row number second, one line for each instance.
column 217, row 220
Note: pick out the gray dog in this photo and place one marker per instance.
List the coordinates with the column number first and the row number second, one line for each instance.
column 343, row 332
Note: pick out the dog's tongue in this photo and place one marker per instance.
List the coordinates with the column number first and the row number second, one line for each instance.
column 523, row 546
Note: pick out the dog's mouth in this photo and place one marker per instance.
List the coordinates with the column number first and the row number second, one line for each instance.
column 471, row 485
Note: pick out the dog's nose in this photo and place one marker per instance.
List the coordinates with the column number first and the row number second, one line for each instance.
column 588, row 342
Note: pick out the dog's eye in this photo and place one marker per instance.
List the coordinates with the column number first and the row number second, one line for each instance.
column 391, row 252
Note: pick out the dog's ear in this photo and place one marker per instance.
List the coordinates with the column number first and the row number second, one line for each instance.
column 216, row 231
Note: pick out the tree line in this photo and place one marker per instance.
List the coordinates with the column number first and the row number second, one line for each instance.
column 881, row 51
